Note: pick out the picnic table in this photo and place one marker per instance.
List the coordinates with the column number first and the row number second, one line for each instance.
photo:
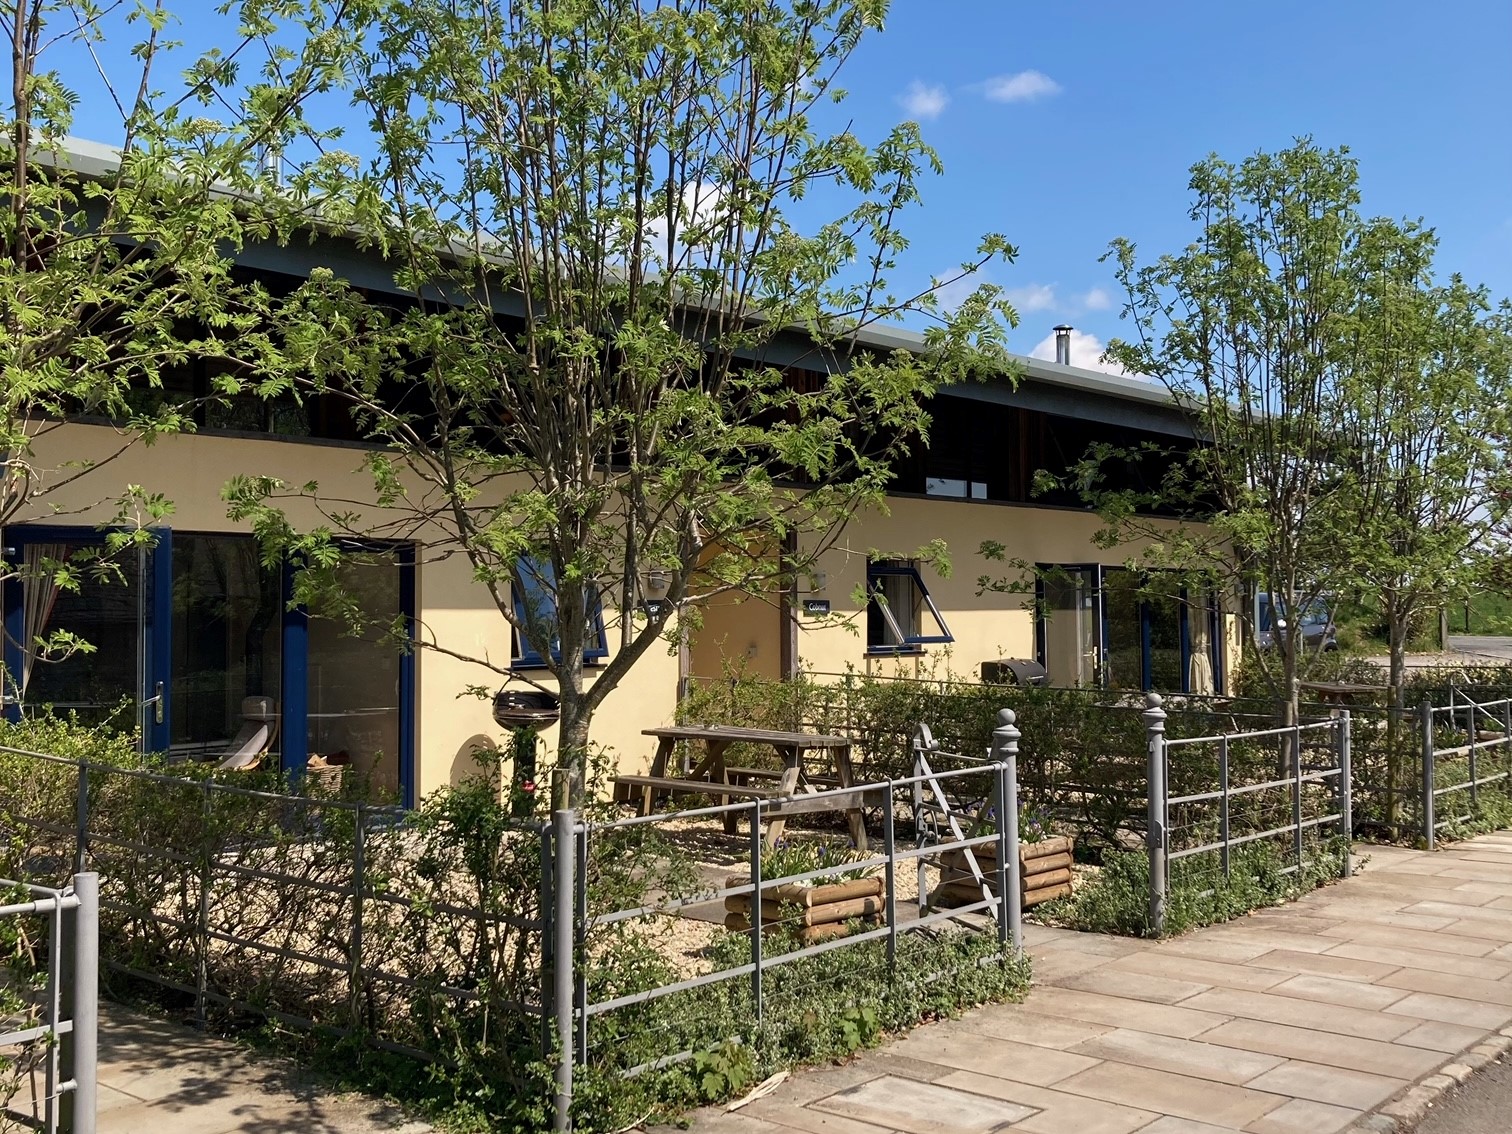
column 712, row 776
column 1342, row 693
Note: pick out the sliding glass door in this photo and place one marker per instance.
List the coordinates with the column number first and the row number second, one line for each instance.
column 1071, row 626
column 85, row 628
column 1127, row 630
column 1123, row 631
column 183, row 638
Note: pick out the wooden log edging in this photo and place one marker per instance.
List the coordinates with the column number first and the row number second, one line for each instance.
column 817, row 913
column 1045, row 872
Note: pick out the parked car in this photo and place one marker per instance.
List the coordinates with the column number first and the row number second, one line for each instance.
column 1316, row 623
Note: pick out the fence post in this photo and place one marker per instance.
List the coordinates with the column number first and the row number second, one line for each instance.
column 580, row 940
column 202, row 927
column 548, row 938
column 1223, row 804
column 81, row 818
column 1473, row 721
column 359, row 871
column 1297, row 795
column 564, row 825
column 890, row 897
column 1346, row 790
column 756, row 917
column 1506, row 724
column 1005, row 745
column 86, row 1000
column 1155, row 839
column 1426, row 722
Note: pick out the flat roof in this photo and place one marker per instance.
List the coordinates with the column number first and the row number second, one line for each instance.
column 99, row 160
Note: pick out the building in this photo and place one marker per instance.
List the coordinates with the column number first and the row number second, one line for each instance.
column 202, row 622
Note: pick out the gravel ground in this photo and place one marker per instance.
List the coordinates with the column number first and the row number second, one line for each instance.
column 685, row 937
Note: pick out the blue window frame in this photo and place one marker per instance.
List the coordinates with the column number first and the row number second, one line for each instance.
column 897, row 603
column 535, row 606
column 151, row 672
column 143, row 673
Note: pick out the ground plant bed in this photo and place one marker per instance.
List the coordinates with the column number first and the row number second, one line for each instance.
column 815, row 913
column 1045, row 874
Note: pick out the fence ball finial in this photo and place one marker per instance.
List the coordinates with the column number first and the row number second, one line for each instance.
column 1154, row 716
column 1006, row 717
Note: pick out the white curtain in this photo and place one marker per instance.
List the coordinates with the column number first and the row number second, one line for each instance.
column 39, row 594
column 1200, row 668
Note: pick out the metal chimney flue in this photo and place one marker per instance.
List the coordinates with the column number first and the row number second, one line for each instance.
column 1063, row 344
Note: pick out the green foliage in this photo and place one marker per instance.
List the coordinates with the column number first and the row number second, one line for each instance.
column 722, row 1071
column 617, row 405
column 116, row 276
column 828, row 1006
column 801, row 856
column 1117, row 899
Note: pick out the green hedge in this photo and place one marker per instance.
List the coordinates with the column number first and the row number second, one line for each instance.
column 1082, row 757
column 451, row 938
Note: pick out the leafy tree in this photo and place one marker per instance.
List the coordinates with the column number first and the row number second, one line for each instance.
column 115, row 264
column 1353, row 412
column 608, row 219
column 1248, row 326
column 1425, row 422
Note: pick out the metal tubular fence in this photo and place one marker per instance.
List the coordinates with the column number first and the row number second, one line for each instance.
column 328, row 915
column 338, row 917
column 1464, row 761
column 1290, row 782
column 766, row 893
column 70, row 1039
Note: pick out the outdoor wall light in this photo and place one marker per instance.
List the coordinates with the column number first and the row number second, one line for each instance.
column 655, row 586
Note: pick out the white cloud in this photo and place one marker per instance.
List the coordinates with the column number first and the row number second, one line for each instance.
column 1032, row 298
column 1086, row 352
column 1097, row 300
column 699, row 227
column 1025, row 86
column 923, row 102
column 950, row 295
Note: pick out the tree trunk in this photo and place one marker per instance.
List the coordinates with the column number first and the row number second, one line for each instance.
column 570, row 785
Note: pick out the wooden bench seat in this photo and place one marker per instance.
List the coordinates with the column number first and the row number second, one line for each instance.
column 695, row 787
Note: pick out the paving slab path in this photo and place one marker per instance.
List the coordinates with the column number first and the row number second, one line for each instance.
column 158, row 1077
column 1295, row 1020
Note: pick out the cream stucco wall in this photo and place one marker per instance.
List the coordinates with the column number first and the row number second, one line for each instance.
column 459, row 615
column 454, row 612
column 985, row 627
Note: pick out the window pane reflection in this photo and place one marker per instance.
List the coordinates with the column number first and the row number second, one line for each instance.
column 354, row 679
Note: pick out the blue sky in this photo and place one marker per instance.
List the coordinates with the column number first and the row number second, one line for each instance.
column 1064, row 125
column 1121, row 98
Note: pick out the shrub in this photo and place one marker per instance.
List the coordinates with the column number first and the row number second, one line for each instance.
column 1117, row 900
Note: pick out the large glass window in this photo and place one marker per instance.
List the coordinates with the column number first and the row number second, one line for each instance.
column 195, row 634
column 1147, row 630
column 353, row 680
column 227, row 638
column 1071, row 630
column 535, row 606
column 1164, row 617
column 80, row 649
column 1123, row 649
